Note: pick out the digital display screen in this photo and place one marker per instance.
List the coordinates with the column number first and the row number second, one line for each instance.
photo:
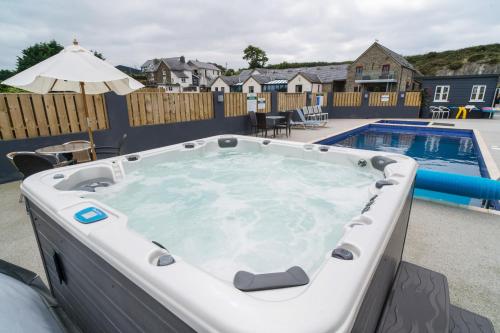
column 89, row 215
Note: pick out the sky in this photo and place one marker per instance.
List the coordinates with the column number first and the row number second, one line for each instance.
column 129, row 32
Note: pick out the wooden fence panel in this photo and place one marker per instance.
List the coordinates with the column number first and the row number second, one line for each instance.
column 383, row 99
column 325, row 99
column 5, row 125
column 346, row 99
column 152, row 108
column 291, row 101
column 267, row 97
column 413, row 98
column 31, row 115
column 235, row 104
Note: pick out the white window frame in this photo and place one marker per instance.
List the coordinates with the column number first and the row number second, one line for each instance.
column 183, row 80
column 251, row 89
column 477, row 93
column 441, row 93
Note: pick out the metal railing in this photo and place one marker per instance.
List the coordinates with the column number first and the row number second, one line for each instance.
column 376, row 75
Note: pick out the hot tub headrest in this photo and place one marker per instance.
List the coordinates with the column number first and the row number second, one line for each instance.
column 293, row 277
column 228, row 142
column 380, row 162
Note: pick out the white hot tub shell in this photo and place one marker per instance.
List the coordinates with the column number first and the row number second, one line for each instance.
column 107, row 277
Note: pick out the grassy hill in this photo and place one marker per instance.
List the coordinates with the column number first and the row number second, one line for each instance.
column 463, row 61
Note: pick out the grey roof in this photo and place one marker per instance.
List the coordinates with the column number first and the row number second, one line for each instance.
column 396, row 56
column 180, row 74
column 175, row 64
column 318, row 74
column 151, row 65
column 204, row 65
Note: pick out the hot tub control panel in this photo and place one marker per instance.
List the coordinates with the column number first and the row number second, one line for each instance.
column 90, row 215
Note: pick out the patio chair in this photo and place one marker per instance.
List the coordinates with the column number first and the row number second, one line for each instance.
column 435, row 112
column 253, row 123
column 444, row 111
column 322, row 115
column 81, row 156
column 304, row 122
column 263, row 124
column 29, row 163
column 109, row 151
column 286, row 123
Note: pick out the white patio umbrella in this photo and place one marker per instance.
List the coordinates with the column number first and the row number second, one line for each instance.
column 75, row 69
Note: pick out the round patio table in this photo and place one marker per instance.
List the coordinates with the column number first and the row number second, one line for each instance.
column 65, row 148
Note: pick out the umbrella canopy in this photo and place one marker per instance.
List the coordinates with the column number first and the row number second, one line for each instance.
column 65, row 70
column 75, row 69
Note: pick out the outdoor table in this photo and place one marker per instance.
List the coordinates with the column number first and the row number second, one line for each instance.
column 274, row 119
column 66, row 148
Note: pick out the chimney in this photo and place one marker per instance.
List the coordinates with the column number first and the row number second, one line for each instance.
column 183, row 60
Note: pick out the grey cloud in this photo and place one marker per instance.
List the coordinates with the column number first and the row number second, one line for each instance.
column 129, row 32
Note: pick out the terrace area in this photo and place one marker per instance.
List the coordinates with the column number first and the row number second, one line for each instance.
column 461, row 243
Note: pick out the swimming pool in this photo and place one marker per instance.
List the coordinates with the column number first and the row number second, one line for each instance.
column 447, row 150
column 211, row 235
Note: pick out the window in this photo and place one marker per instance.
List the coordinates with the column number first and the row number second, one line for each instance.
column 357, row 88
column 385, row 69
column 359, row 71
column 250, row 89
column 183, row 80
column 477, row 94
column 222, row 89
column 170, row 89
column 164, row 74
column 441, row 93
column 216, row 88
column 298, row 88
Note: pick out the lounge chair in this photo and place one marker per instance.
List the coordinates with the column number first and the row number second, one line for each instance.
column 303, row 122
column 322, row 115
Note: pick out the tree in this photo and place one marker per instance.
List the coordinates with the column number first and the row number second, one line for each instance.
column 229, row 72
column 255, row 56
column 34, row 54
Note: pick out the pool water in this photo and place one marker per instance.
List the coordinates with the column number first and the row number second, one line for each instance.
column 229, row 211
column 453, row 151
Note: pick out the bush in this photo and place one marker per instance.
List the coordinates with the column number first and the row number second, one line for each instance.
column 455, row 65
column 476, row 57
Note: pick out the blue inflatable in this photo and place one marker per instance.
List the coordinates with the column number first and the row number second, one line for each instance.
column 467, row 186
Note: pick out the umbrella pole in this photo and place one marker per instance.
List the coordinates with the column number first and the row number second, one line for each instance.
column 89, row 129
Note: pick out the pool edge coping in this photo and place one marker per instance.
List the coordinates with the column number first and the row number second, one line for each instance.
column 488, row 160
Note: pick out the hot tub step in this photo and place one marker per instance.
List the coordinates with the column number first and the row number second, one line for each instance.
column 418, row 302
column 463, row 321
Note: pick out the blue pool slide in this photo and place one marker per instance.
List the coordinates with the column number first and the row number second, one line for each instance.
column 467, row 186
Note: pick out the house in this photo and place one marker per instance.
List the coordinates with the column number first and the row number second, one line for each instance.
column 319, row 79
column 326, row 78
column 381, row 69
column 176, row 75
column 203, row 73
column 459, row 90
column 232, row 83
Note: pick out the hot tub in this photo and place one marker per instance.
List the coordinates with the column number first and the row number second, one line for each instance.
column 224, row 234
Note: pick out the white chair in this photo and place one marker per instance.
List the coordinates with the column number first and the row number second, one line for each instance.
column 444, row 111
column 323, row 115
column 435, row 112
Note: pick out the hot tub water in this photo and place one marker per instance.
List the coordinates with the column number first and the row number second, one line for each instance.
column 228, row 211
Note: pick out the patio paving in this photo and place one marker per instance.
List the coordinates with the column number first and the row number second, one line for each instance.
column 461, row 243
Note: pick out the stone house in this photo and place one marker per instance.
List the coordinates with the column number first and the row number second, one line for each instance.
column 381, row 69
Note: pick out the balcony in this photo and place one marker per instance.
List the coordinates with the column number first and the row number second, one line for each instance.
column 376, row 76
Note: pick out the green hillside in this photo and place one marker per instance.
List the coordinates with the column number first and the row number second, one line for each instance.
column 454, row 60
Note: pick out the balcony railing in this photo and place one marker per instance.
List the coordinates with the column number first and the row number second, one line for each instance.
column 376, row 76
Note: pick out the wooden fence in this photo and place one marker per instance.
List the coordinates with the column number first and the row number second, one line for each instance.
column 325, row 99
column 383, row 99
column 291, row 101
column 235, row 104
column 152, row 108
column 347, row 99
column 32, row 115
column 413, row 98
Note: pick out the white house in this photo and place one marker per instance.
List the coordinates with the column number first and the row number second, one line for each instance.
column 305, row 82
column 203, row 73
column 253, row 84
